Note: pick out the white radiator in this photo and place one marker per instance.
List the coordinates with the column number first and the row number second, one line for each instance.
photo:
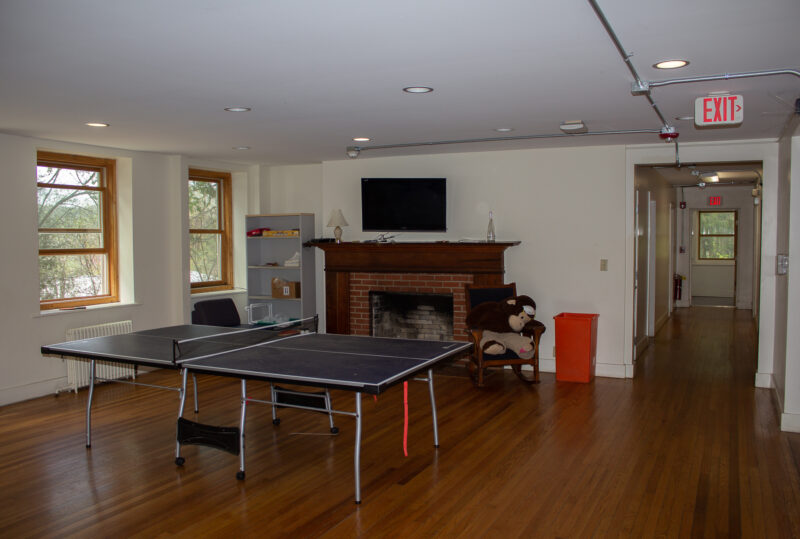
column 78, row 372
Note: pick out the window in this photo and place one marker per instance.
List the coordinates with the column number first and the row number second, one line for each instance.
column 77, row 230
column 210, row 260
column 717, row 238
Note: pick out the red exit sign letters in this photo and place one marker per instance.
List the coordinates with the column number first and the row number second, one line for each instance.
column 718, row 110
column 715, row 201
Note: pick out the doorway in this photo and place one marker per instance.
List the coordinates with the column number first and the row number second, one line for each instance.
column 682, row 220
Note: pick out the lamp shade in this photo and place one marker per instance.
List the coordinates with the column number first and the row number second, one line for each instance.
column 337, row 219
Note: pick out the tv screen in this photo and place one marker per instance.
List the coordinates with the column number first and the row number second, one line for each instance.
column 403, row 204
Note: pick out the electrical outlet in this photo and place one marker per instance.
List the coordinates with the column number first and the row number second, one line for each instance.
column 554, row 351
column 603, row 264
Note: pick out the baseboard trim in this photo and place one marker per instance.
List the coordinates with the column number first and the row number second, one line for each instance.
column 605, row 370
column 10, row 395
column 608, row 370
column 764, row 379
column 790, row 422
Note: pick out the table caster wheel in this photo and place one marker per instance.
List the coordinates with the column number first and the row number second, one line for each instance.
column 240, row 475
column 276, row 421
column 334, row 430
column 179, row 461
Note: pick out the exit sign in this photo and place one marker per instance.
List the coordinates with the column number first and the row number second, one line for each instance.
column 715, row 201
column 718, row 110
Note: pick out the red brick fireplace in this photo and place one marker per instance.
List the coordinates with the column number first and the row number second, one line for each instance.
column 352, row 270
column 449, row 284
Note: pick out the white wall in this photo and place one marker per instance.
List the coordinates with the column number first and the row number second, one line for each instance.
column 790, row 417
column 566, row 206
column 153, row 258
column 297, row 189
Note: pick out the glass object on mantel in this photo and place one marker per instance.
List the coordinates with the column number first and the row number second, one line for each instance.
column 490, row 230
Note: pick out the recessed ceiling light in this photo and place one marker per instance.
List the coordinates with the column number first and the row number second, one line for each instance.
column 241, row 147
column 97, row 124
column 238, row 109
column 504, row 129
column 671, row 64
column 361, row 139
column 684, row 118
column 418, row 89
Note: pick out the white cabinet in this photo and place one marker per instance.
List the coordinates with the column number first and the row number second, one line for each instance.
column 279, row 254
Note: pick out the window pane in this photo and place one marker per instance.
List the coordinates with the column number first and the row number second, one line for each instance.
column 717, row 223
column 67, row 176
column 203, row 205
column 204, row 257
column 72, row 276
column 70, row 240
column 717, row 248
column 69, row 208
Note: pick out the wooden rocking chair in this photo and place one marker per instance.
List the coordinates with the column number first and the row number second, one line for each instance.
column 475, row 295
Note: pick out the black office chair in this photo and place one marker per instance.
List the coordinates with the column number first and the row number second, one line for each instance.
column 216, row 312
column 475, row 295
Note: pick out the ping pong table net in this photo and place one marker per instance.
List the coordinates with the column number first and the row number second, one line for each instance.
column 228, row 340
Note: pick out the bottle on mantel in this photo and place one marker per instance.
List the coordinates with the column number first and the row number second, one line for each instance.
column 490, row 230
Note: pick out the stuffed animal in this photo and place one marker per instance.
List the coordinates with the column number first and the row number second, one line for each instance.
column 506, row 325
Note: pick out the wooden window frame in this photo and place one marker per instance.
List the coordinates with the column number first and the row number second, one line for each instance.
column 225, row 218
column 107, row 168
column 735, row 235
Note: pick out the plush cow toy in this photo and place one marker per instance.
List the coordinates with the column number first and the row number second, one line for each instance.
column 506, row 325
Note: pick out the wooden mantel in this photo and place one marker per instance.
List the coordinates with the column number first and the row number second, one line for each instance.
column 484, row 261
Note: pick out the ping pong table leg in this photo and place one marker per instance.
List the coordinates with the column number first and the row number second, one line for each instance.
column 89, row 404
column 179, row 460
column 194, row 383
column 273, row 397
column 357, row 450
column 433, row 409
column 329, row 408
column 240, row 473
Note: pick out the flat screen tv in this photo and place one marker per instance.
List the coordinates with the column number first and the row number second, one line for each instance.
column 404, row 204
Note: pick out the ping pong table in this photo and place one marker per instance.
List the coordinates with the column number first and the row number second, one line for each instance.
column 292, row 353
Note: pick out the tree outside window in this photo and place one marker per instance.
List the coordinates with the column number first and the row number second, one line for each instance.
column 210, row 259
column 717, row 237
column 77, row 230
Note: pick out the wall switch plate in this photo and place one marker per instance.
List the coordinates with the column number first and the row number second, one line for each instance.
column 603, row 264
column 782, row 264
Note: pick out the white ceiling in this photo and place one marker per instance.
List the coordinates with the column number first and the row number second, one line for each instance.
column 317, row 73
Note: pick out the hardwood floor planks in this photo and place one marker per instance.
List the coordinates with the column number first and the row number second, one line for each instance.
column 687, row 448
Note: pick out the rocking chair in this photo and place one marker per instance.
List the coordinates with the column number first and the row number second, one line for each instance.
column 475, row 295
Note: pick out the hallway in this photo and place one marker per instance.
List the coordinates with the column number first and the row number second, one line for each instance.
column 714, row 430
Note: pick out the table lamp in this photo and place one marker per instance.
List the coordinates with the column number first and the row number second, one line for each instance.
column 337, row 220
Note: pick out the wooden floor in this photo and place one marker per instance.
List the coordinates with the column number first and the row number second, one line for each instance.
column 687, row 449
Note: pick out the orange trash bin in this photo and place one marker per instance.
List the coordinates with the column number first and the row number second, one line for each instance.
column 576, row 346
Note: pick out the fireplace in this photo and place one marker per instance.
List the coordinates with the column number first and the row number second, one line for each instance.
column 411, row 316
column 354, row 269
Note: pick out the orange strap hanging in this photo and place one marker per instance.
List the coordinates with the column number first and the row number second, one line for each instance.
column 405, row 418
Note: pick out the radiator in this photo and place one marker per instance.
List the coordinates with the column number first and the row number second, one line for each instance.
column 78, row 372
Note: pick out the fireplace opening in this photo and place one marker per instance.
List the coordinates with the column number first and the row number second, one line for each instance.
column 411, row 316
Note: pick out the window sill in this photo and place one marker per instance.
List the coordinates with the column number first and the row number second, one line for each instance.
column 228, row 292
column 99, row 307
